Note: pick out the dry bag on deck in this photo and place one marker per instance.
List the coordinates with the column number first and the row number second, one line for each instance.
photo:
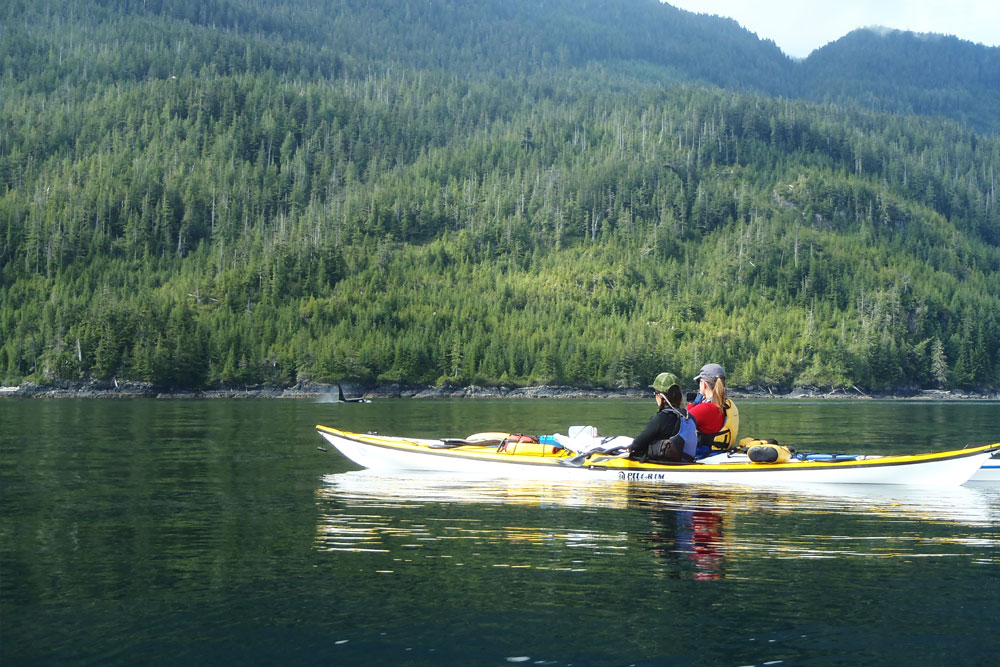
column 765, row 451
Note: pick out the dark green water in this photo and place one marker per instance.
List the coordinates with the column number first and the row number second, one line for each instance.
column 213, row 532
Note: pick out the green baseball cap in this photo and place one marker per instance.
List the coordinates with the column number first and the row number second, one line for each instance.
column 664, row 381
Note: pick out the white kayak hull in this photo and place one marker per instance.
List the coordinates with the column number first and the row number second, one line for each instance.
column 379, row 452
column 989, row 471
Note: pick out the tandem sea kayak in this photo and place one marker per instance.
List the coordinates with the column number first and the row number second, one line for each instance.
column 504, row 455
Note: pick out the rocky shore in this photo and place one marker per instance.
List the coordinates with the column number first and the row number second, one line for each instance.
column 326, row 392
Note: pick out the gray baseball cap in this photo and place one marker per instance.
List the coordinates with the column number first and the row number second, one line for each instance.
column 710, row 373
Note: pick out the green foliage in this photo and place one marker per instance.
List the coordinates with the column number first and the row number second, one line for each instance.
column 210, row 193
column 903, row 72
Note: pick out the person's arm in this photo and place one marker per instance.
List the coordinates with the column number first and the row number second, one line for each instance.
column 655, row 429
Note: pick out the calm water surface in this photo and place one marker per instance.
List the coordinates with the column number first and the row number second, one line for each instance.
column 145, row 532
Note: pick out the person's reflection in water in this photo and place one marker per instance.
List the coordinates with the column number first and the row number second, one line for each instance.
column 692, row 535
column 705, row 544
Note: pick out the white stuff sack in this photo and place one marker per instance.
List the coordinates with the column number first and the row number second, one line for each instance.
column 583, row 439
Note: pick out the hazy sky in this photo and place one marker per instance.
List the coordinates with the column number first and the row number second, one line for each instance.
column 800, row 26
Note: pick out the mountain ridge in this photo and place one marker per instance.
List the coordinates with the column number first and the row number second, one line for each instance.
column 905, row 72
column 295, row 199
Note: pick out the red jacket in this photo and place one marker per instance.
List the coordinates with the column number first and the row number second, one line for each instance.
column 708, row 416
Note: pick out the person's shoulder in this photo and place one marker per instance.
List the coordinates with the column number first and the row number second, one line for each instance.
column 667, row 416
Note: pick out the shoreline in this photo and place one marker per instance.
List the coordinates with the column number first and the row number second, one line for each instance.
column 329, row 392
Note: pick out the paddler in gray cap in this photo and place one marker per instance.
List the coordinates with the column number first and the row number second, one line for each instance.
column 716, row 416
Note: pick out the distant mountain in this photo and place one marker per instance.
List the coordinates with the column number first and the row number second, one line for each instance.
column 635, row 41
column 501, row 192
column 904, row 72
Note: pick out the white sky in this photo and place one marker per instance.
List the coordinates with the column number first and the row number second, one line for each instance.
column 800, row 26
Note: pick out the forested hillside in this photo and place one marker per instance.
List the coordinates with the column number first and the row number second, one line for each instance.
column 903, row 72
column 233, row 192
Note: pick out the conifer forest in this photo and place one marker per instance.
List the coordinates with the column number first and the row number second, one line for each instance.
column 230, row 193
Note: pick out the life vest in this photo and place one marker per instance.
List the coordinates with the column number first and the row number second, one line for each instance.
column 726, row 437
column 666, row 449
column 688, row 432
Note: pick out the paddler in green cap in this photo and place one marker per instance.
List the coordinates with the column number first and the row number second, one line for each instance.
column 670, row 434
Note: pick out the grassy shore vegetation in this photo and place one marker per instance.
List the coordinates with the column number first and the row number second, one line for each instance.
column 220, row 193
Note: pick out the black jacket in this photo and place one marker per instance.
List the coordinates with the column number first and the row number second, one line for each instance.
column 664, row 424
